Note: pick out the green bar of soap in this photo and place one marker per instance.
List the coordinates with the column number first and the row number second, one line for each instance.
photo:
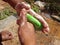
column 34, row 21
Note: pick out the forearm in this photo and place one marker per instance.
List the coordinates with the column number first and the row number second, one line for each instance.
column 26, row 36
column 13, row 2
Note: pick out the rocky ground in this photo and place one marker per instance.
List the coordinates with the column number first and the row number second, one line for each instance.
column 52, row 39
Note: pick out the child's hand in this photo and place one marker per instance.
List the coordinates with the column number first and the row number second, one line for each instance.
column 26, row 30
column 45, row 29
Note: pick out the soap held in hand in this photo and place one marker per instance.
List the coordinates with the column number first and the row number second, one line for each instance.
column 34, row 21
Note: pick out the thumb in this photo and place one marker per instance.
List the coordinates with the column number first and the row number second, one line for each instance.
column 23, row 18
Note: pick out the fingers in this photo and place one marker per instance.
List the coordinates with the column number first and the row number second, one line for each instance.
column 10, row 36
column 22, row 17
column 6, row 35
column 25, row 5
column 22, row 5
column 18, row 21
column 46, row 30
column 45, row 24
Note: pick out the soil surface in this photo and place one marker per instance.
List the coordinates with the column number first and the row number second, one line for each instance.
column 53, row 38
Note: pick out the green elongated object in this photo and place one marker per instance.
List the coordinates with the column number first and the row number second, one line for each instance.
column 34, row 21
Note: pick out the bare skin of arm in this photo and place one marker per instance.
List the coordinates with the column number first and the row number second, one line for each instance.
column 26, row 30
column 13, row 3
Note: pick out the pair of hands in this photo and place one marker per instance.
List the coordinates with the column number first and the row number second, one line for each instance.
column 26, row 30
column 22, row 5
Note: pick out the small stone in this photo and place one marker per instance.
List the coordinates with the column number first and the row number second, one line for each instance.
column 40, row 4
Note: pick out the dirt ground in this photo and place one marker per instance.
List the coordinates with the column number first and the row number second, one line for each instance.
column 52, row 39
